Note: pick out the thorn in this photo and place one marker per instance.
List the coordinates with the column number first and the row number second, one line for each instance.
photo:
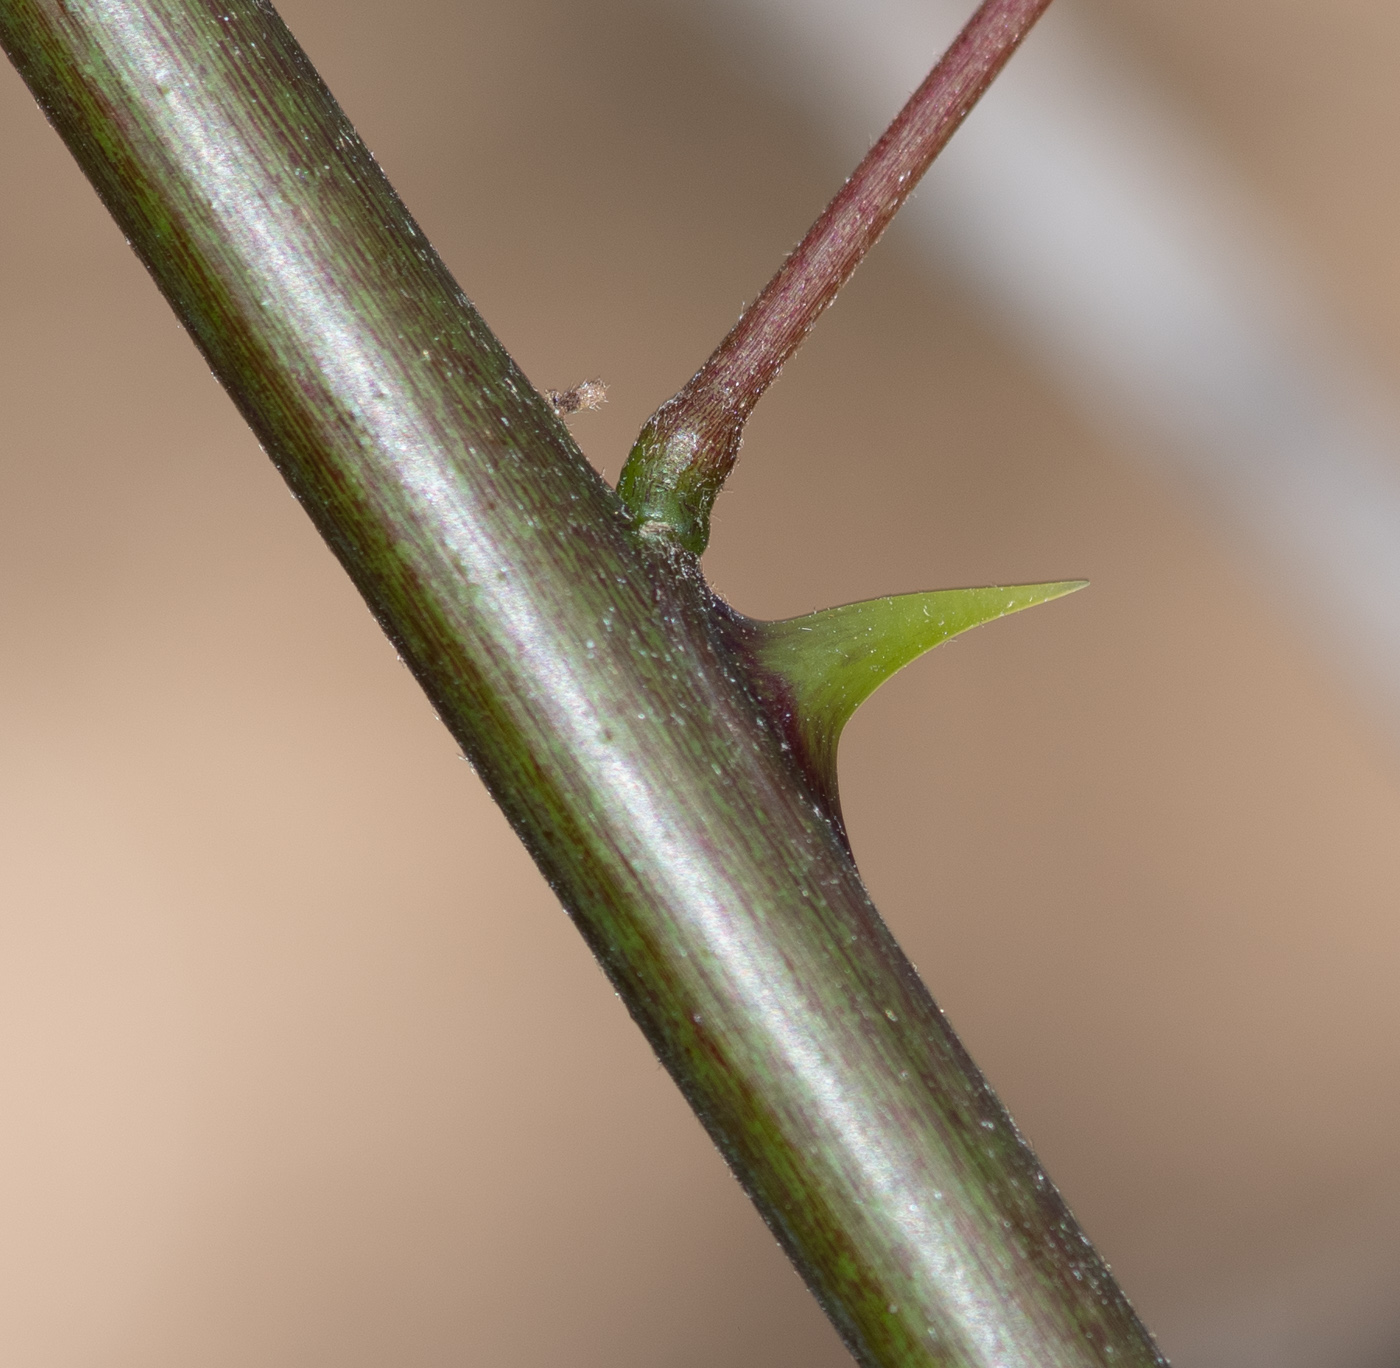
column 814, row 671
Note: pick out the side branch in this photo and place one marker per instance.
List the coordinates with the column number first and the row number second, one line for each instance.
column 688, row 447
column 601, row 698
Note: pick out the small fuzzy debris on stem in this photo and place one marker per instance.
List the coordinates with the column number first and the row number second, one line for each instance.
column 584, row 397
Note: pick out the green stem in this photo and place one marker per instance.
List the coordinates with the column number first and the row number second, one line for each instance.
column 583, row 668
column 687, row 448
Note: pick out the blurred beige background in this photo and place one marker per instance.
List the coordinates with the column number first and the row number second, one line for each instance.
column 300, row 1062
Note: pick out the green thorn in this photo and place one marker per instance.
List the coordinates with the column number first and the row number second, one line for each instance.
column 831, row 661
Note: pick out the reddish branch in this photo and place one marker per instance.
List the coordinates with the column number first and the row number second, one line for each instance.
column 690, row 444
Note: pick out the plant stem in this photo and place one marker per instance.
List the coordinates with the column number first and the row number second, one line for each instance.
column 583, row 669
column 688, row 447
